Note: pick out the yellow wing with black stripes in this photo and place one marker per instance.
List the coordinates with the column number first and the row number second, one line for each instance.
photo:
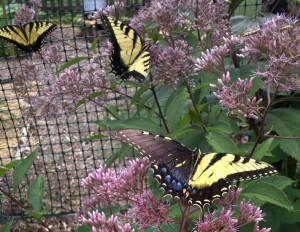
column 130, row 55
column 29, row 37
column 199, row 178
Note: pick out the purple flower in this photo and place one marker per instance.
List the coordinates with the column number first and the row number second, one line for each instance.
column 110, row 187
column 99, row 223
column 210, row 18
column 249, row 213
column 165, row 14
column 36, row 3
column 276, row 41
column 215, row 57
column 171, row 64
column 149, row 212
column 24, row 15
column 223, row 222
column 112, row 10
column 235, row 97
column 62, row 94
column 51, row 54
column 230, row 198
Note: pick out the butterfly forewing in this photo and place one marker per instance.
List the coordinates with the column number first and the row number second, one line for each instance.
column 28, row 37
column 129, row 42
column 130, row 56
column 13, row 34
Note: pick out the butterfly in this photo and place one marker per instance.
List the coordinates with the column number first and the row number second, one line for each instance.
column 29, row 37
column 197, row 177
column 130, row 55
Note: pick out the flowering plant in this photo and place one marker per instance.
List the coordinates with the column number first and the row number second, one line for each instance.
column 209, row 88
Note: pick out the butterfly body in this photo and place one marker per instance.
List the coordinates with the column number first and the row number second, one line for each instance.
column 29, row 37
column 197, row 177
column 130, row 55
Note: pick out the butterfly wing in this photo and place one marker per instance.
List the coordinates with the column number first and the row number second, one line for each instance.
column 28, row 38
column 130, row 54
column 198, row 178
column 14, row 34
column 214, row 173
column 172, row 162
column 36, row 33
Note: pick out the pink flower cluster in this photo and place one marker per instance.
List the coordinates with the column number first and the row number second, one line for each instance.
column 110, row 187
column 99, row 223
column 147, row 211
column 225, row 220
column 277, row 41
column 171, row 63
column 235, row 97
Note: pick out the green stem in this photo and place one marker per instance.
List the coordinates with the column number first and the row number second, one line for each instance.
column 184, row 215
column 19, row 204
column 188, row 87
column 158, row 104
column 281, row 137
column 261, row 132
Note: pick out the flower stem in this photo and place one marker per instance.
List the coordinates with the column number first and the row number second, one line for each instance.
column 184, row 215
column 158, row 104
column 188, row 87
column 261, row 132
column 19, row 204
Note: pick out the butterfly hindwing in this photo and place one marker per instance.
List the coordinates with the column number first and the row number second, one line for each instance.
column 130, row 56
column 29, row 37
column 172, row 162
column 197, row 177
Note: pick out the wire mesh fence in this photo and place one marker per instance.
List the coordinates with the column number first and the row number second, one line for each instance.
column 65, row 156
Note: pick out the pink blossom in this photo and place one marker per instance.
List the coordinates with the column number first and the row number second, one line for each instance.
column 171, row 64
column 235, row 97
column 24, row 15
column 149, row 212
column 99, row 223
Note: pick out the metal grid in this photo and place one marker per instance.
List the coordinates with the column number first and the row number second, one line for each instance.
column 64, row 157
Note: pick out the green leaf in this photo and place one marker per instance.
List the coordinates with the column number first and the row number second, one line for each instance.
column 233, row 5
column 174, row 107
column 280, row 182
column 92, row 96
column 84, row 228
column 263, row 149
column 267, row 192
column 221, row 142
column 118, row 155
column 94, row 137
column 71, row 62
column 35, row 214
column 8, row 167
column 7, row 227
column 286, row 122
column 35, row 193
column 22, row 168
column 113, row 111
column 132, row 123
